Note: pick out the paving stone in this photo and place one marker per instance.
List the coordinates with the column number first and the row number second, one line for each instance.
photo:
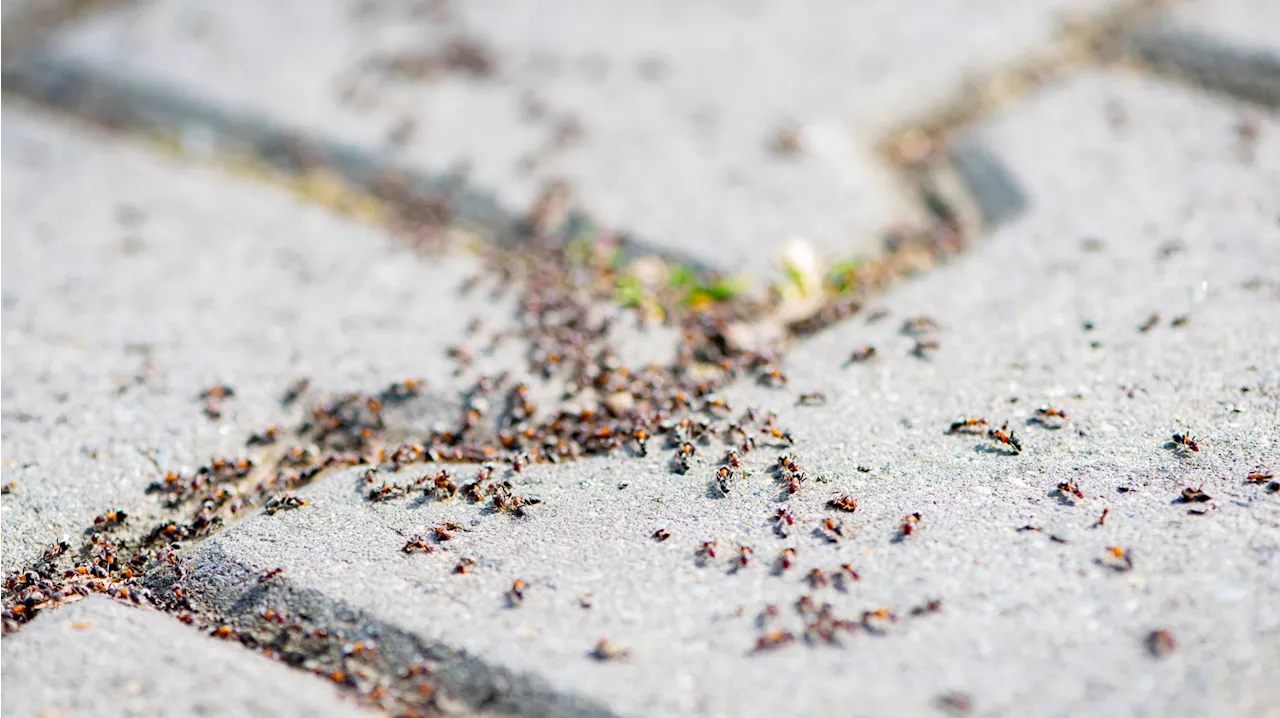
column 1227, row 44
column 1142, row 200
column 662, row 116
column 101, row 658
column 123, row 300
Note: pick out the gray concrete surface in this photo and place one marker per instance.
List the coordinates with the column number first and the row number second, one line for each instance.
column 112, row 329
column 1232, row 45
column 661, row 115
column 1141, row 200
column 100, row 658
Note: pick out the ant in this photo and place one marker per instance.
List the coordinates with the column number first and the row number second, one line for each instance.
column 294, row 391
column 843, row 502
column 267, row 437
column 607, row 650
column 219, row 391
column 110, row 519
column 813, row 398
column 783, row 518
column 1190, row 495
column 785, row 558
column 744, row 555
column 706, row 551
column 519, row 462
column 661, row 535
column 1102, row 520
column 1069, row 487
column 783, row 436
column 269, row 575
column 1006, row 436
column 773, row 377
column 515, row 596
column 684, row 453
column 1045, row 413
column 1123, row 556
column 1259, row 477
column 932, row 605
column 862, row 354
column 56, row 550
column 445, row 530
column 919, row 325
column 1161, row 643
column 386, row 492
column 642, row 441
column 923, row 347
column 283, row 502
column 831, row 530
column 909, row 523
column 816, row 578
column 792, row 472
column 723, row 475
column 442, row 486
column 967, row 424
column 767, row 614
column 774, row 639
column 1186, row 442
column 418, row 545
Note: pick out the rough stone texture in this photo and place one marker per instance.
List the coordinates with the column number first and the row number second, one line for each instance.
column 100, row 658
column 112, row 329
column 660, row 114
column 1232, row 45
column 1183, row 215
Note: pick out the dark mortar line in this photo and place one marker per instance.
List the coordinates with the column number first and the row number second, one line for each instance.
column 134, row 109
column 127, row 107
column 1243, row 73
column 1096, row 42
column 236, row 597
column 955, row 147
column 998, row 195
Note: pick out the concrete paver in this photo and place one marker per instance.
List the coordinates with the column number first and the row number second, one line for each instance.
column 99, row 658
column 133, row 282
column 1141, row 202
column 1228, row 44
column 662, row 116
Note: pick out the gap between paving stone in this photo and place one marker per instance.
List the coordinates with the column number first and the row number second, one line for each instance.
column 62, row 78
column 1074, row 618
column 140, row 663
column 312, row 251
column 1229, row 46
column 208, row 133
column 1002, row 186
column 457, row 674
column 286, row 151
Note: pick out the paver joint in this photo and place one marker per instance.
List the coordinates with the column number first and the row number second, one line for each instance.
column 675, row 359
